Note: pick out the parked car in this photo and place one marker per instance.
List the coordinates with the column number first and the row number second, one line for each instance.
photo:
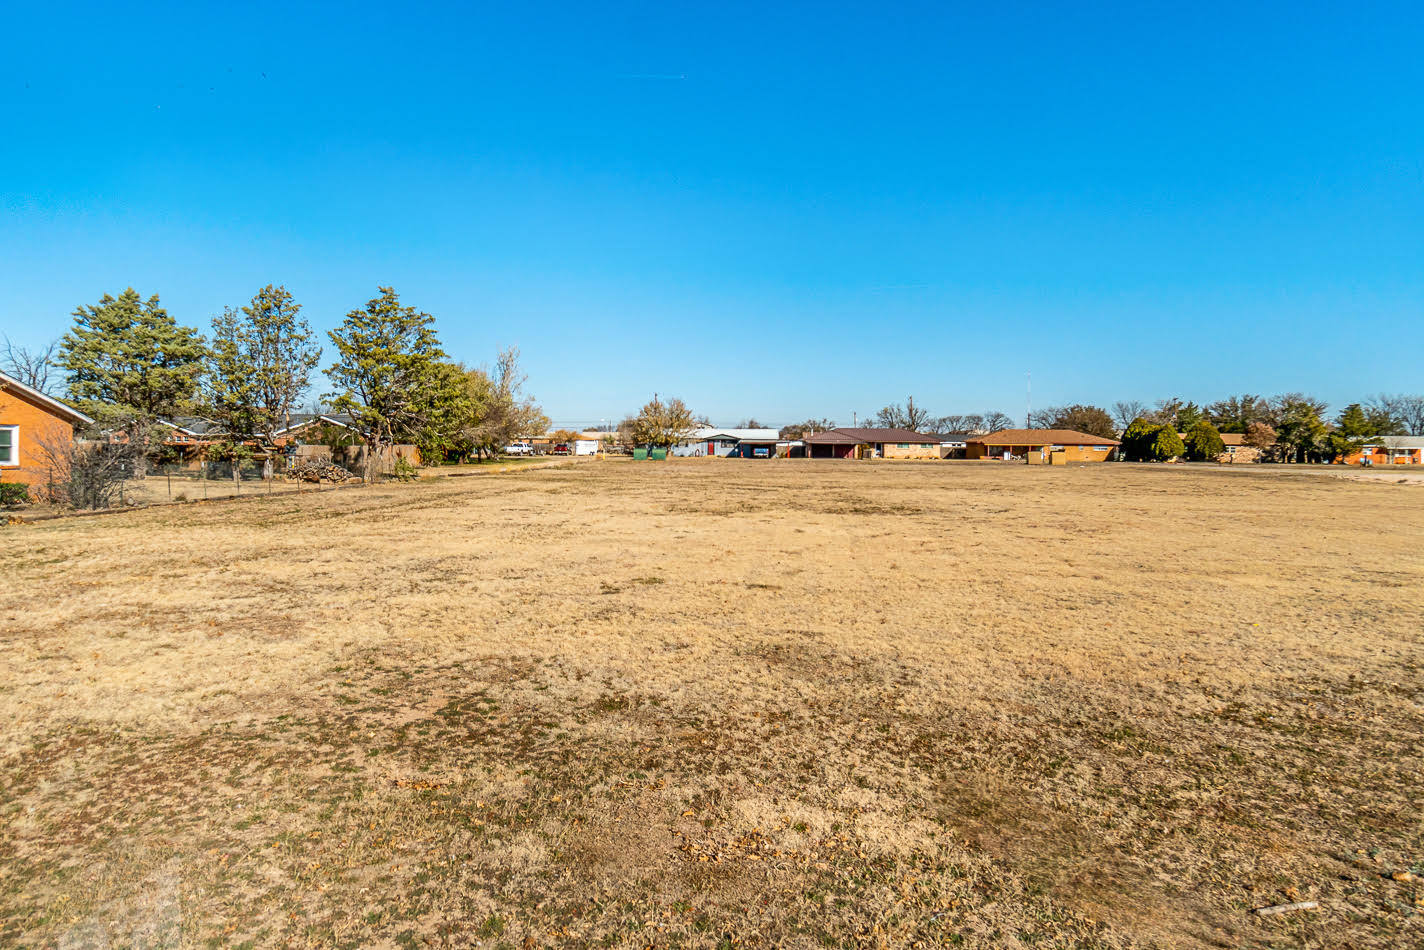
column 561, row 449
column 519, row 448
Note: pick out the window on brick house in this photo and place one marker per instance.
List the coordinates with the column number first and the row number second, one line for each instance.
column 9, row 445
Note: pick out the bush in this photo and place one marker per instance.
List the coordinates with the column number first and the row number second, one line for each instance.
column 1203, row 442
column 1145, row 441
column 13, row 494
column 1137, row 440
column 404, row 471
column 1166, row 444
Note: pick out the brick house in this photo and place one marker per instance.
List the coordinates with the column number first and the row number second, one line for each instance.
column 872, row 443
column 30, row 421
column 1236, row 449
column 1389, row 450
column 1040, row 446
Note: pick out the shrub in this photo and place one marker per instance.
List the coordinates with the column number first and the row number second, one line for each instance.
column 1145, row 441
column 1166, row 444
column 404, row 471
column 13, row 494
column 1203, row 442
column 1137, row 440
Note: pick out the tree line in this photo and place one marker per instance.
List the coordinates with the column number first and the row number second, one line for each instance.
column 130, row 365
column 1289, row 427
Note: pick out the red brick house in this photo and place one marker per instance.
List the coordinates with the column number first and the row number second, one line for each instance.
column 1389, row 450
column 30, row 422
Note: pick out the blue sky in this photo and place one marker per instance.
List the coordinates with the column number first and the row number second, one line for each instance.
column 807, row 209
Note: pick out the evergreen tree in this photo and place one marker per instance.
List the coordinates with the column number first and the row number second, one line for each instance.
column 259, row 365
column 230, row 393
column 1188, row 415
column 1299, row 426
column 127, row 358
column 1147, row 441
column 1166, row 444
column 1236, row 413
column 1137, row 439
column 1203, row 443
column 386, row 372
column 281, row 353
column 1353, row 426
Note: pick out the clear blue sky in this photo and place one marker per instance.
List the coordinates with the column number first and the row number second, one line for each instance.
column 778, row 210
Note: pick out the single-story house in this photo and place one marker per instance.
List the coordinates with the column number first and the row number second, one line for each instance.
column 31, row 424
column 1389, row 450
column 302, row 424
column 1041, row 446
column 872, row 443
column 729, row 443
column 192, row 434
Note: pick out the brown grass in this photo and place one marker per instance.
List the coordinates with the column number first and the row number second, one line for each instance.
column 722, row 704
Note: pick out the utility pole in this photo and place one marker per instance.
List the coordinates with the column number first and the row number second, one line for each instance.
column 1028, row 414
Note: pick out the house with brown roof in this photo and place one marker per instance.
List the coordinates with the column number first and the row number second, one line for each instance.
column 1040, row 446
column 871, row 443
column 31, row 426
column 1234, row 448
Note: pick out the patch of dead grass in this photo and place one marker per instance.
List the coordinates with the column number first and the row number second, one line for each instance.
column 863, row 705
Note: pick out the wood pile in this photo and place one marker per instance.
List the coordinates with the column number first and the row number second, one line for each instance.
column 315, row 470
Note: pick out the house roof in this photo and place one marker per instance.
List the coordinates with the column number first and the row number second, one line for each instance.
column 300, row 419
column 1398, row 441
column 1227, row 438
column 867, row 436
column 207, row 428
column 708, row 433
column 1040, row 437
column 34, row 395
column 192, row 425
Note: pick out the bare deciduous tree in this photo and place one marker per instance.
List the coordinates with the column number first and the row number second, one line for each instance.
column 35, row 368
column 1406, row 410
column 800, row 430
column 995, row 421
column 908, row 416
column 1126, row 410
column 91, row 475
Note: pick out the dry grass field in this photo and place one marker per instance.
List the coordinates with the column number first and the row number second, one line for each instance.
column 727, row 704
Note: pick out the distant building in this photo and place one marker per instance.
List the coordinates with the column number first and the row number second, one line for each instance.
column 953, row 445
column 31, row 425
column 1390, row 450
column 725, row 443
column 1235, row 449
column 872, row 443
column 1041, row 446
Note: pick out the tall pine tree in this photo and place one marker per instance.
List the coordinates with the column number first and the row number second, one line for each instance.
column 262, row 359
column 386, row 371
column 127, row 358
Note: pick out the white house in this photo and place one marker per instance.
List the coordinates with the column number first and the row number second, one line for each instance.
column 743, row 443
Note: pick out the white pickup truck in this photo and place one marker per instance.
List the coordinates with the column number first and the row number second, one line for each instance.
column 519, row 448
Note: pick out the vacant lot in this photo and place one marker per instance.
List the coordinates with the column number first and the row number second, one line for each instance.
column 720, row 703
